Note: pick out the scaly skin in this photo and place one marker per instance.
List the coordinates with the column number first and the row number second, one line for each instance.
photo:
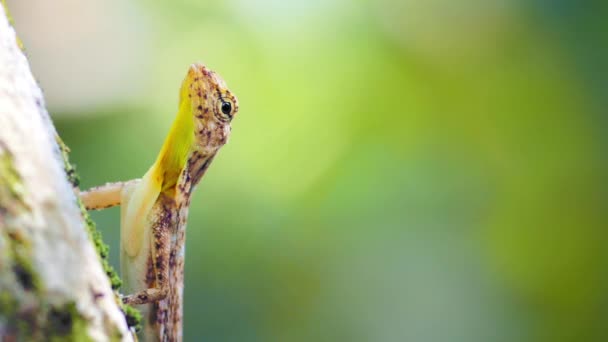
column 154, row 209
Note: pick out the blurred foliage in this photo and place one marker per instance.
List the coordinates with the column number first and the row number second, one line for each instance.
column 399, row 170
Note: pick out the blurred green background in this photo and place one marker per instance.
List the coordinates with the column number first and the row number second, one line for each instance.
column 399, row 170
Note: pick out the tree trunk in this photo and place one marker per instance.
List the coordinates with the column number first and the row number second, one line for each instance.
column 52, row 282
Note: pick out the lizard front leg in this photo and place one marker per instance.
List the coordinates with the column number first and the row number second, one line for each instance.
column 105, row 196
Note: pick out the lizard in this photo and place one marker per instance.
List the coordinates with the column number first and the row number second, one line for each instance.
column 154, row 209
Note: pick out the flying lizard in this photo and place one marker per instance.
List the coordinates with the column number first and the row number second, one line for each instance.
column 154, row 208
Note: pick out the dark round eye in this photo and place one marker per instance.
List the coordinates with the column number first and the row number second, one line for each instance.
column 226, row 108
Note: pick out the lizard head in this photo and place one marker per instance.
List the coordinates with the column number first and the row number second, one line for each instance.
column 201, row 127
column 213, row 106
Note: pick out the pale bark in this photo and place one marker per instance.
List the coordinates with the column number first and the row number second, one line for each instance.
column 52, row 283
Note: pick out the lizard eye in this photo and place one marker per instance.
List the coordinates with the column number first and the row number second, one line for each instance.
column 226, row 108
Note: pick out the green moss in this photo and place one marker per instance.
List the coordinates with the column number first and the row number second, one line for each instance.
column 102, row 249
column 22, row 265
column 70, row 169
column 132, row 315
column 24, row 321
column 8, row 304
column 48, row 323
column 66, row 323
column 11, row 186
column 22, row 283
column 100, row 246
column 12, row 204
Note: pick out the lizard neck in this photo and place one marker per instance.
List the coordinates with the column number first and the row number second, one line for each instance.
column 166, row 316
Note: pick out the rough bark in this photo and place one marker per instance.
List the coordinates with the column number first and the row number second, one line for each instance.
column 52, row 282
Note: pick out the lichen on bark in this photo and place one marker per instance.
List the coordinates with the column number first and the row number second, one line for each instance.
column 25, row 313
column 52, row 283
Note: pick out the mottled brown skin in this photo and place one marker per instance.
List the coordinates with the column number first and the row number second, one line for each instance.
column 164, row 273
column 212, row 129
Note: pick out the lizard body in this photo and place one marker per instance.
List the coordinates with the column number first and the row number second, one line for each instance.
column 154, row 209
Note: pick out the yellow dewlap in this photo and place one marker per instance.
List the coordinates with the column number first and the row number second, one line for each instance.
column 162, row 176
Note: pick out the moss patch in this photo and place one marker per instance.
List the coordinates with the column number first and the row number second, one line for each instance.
column 20, row 283
column 20, row 253
column 70, row 169
column 132, row 315
column 65, row 323
column 12, row 204
column 37, row 321
column 96, row 237
column 102, row 249
column 24, row 308
column 11, row 186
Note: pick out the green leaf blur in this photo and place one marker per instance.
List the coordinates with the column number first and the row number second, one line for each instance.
column 398, row 171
